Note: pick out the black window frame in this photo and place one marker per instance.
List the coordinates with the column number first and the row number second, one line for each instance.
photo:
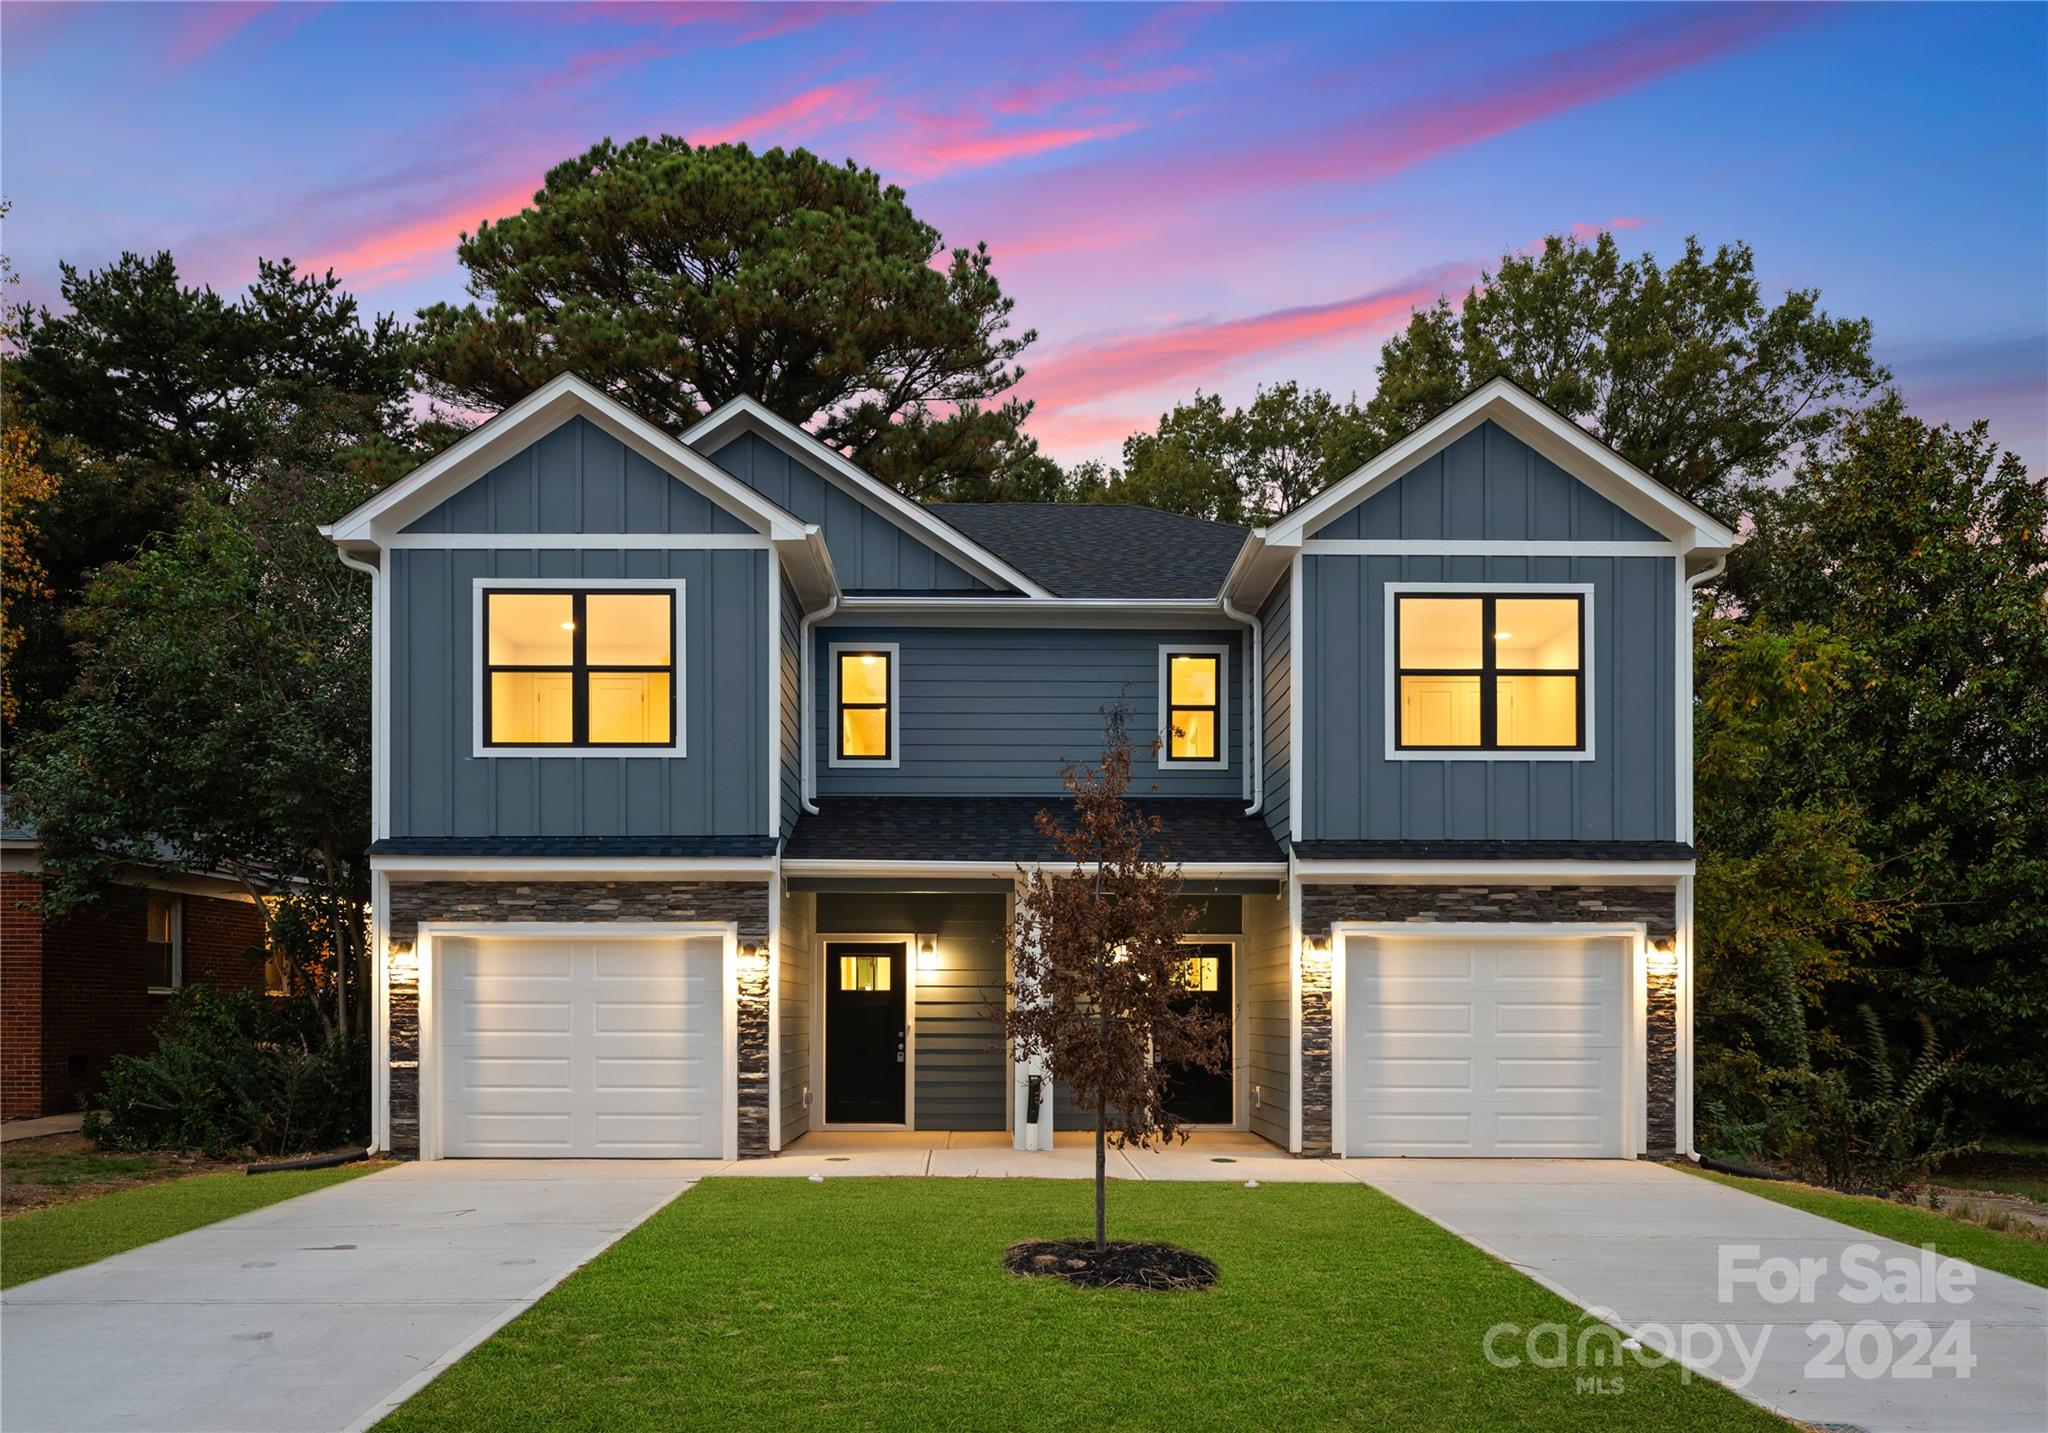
column 841, row 706
column 1214, row 709
column 1489, row 670
column 580, row 669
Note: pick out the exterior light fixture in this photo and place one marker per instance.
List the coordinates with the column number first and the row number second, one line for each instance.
column 927, row 952
column 756, row 950
column 1663, row 957
column 1315, row 947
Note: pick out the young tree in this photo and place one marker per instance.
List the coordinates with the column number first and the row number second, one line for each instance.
column 677, row 277
column 1097, row 966
column 1684, row 370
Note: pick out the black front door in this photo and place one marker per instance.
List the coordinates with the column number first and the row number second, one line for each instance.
column 1192, row 1092
column 865, row 1033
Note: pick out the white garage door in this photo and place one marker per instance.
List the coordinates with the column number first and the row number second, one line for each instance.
column 580, row 1048
column 1484, row 1047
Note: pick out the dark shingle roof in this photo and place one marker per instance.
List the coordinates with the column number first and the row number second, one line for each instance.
column 674, row 847
column 1103, row 549
column 1493, row 850
column 1004, row 828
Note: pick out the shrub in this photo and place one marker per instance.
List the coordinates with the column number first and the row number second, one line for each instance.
column 235, row 1072
column 1865, row 1123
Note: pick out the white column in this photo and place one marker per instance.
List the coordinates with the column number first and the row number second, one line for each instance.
column 1027, row 1133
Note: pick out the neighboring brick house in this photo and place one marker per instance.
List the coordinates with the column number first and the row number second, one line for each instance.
column 76, row 991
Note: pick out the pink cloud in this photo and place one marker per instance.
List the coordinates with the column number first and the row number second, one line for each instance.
column 382, row 255
column 1587, row 233
column 945, row 144
column 801, row 115
column 1039, row 96
column 1200, row 349
column 202, row 29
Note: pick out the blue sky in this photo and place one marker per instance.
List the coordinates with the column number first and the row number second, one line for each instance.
column 1179, row 198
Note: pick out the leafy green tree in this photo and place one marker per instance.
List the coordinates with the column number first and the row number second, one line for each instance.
column 1685, row 370
column 1923, row 550
column 147, row 392
column 677, row 277
column 220, row 722
column 1242, row 465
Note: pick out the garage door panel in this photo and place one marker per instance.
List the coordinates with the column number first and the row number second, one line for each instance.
column 624, row 1057
column 1520, row 1053
column 1570, row 1018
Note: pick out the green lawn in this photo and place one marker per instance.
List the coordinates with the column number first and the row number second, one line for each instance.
column 49, row 1241
column 2013, row 1254
column 883, row 1303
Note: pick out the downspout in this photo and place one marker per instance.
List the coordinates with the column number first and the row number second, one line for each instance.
column 1683, row 1135
column 1254, row 703
column 807, row 705
column 369, row 956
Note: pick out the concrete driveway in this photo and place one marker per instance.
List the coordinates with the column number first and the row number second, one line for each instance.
column 319, row 1313
column 1763, row 1297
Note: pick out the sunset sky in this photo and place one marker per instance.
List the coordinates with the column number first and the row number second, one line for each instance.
column 1179, row 198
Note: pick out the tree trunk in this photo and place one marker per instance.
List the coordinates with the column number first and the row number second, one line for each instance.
column 1101, row 1168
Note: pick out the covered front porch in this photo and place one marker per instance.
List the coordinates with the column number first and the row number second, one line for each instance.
column 888, row 1042
column 1211, row 1156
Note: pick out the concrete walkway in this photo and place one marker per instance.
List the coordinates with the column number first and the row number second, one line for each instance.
column 1647, row 1246
column 320, row 1313
column 1217, row 1157
column 40, row 1126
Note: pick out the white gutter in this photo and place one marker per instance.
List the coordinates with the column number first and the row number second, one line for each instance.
column 1254, row 706
column 807, row 712
column 976, row 606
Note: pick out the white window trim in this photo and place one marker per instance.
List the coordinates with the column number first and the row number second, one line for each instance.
column 177, row 901
column 865, row 763
column 1390, row 659
column 676, row 748
column 1220, row 651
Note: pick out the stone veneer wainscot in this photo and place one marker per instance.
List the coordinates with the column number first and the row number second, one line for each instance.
column 1325, row 906
column 744, row 903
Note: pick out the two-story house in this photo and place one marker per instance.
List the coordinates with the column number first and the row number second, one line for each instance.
column 704, row 770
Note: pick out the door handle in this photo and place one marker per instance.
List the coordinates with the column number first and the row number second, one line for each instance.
column 899, row 1047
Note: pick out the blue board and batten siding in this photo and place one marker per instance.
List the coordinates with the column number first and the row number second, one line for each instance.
column 577, row 478
column 998, row 711
column 869, row 552
column 788, row 681
column 1488, row 485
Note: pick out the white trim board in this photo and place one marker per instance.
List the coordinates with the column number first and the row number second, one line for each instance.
column 583, row 868
column 1587, row 694
column 821, row 946
column 894, row 759
column 1221, row 652
column 1634, row 1094
column 1557, row 438
column 678, row 745
column 549, row 406
column 748, row 414
column 429, row 1085
column 579, row 541
column 1509, row 871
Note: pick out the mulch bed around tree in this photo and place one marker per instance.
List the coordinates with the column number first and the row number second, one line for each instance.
column 1123, row 1265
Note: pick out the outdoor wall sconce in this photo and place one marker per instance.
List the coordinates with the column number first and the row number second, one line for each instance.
column 755, row 950
column 1315, row 947
column 927, row 952
column 1663, row 957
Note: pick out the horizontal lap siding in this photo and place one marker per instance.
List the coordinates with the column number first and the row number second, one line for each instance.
column 439, row 788
column 790, row 653
column 578, row 478
column 1000, row 711
column 869, row 552
column 1352, row 791
column 961, row 1071
column 1277, row 699
column 796, row 989
column 1268, row 1040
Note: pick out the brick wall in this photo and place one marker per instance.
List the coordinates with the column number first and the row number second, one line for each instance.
column 77, row 989
column 745, row 903
column 1323, row 906
column 21, row 997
